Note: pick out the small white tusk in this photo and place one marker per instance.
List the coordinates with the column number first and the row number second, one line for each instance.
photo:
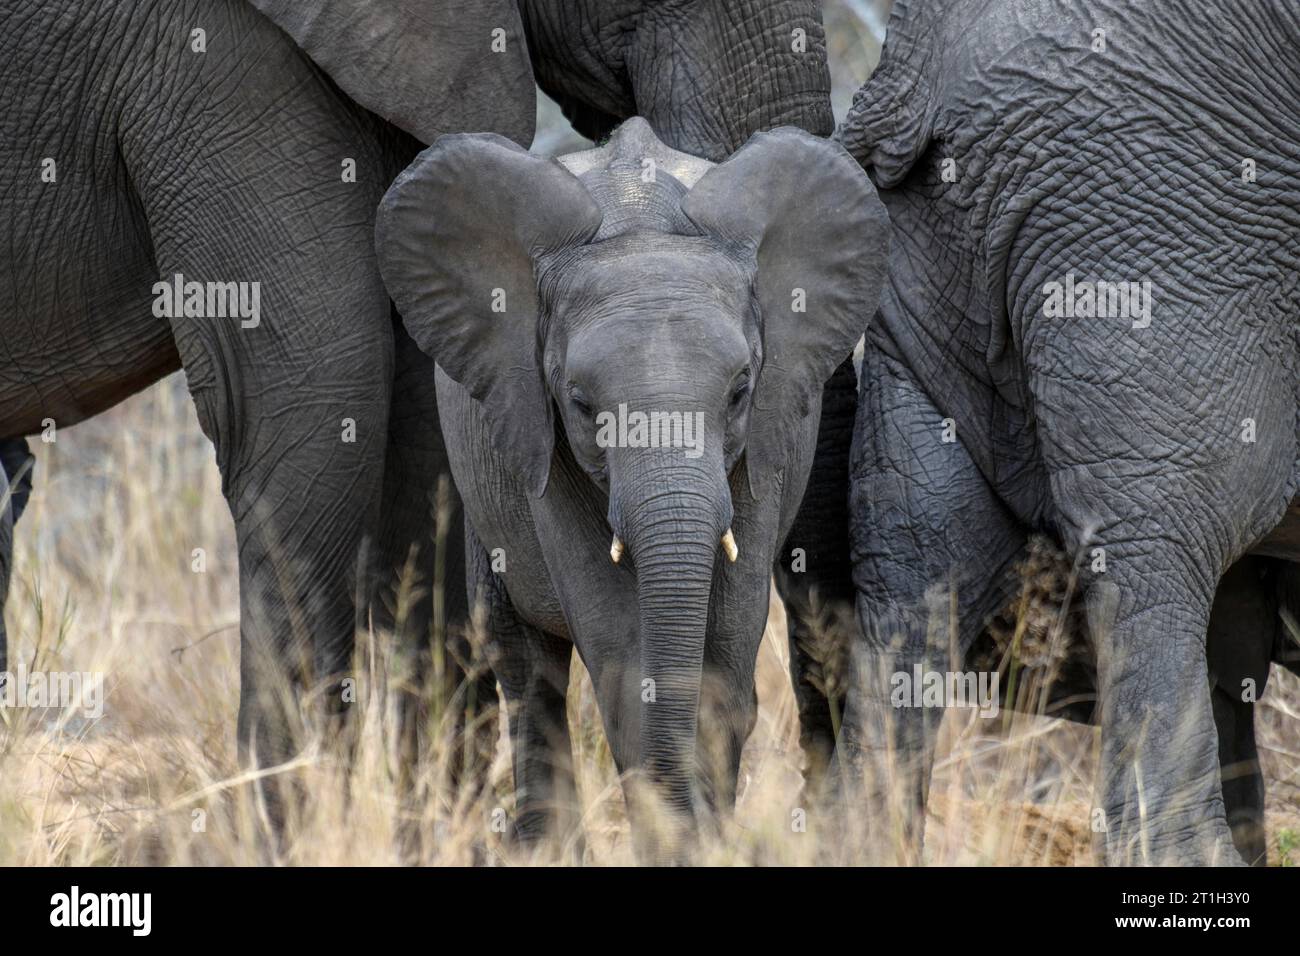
column 729, row 546
column 615, row 550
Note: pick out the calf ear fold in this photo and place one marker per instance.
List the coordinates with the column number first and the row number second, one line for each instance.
column 819, row 236
column 428, row 66
column 458, row 235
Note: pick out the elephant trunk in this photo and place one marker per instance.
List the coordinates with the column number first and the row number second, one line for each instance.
column 676, row 516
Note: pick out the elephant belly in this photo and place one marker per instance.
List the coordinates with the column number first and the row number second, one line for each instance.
column 77, row 327
column 77, row 330
column 83, row 348
column 1284, row 540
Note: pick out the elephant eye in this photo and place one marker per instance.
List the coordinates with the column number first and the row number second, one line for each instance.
column 579, row 402
column 740, row 390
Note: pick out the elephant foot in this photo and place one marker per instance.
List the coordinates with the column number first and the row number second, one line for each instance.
column 1249, row 838
column 1209, row 844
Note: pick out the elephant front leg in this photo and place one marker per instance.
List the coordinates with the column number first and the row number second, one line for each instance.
column 533, row 668
column 815, row 580
column 545, row 792
column 300, row 451
column 930, row 543
column 272, row 292
column 421, row 595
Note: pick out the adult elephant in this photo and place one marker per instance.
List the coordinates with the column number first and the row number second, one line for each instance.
column 195, row 143
column 146, row 139
column 1150, row 424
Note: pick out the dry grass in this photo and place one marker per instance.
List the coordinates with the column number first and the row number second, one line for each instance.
column 103, row 583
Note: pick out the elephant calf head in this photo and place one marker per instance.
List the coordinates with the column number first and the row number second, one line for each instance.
column 676, row 318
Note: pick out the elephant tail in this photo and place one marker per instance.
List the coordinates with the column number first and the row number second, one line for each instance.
column 891, row 121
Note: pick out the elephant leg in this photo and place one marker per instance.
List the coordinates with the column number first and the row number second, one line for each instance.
column 1239, row 648
column 728, row 714
column 422, row 598
column 1286, row 646
column 7, row 511
column 237, row 167
column 814, row 579
column 1158, row 789
column 1166, row 483
column 535, row 690
column 930, row 540
column 1243, row 781
column 301, row 467
column 533, row 668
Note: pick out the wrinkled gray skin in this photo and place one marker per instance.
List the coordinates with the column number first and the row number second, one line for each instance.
column 1118, row 165
column 226, row 166
column 1249, row 630
column 674, row 296
column 707, row 75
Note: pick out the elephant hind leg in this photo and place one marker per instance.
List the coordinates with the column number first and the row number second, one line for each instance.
column 1149, row 611
column 286, row 345
column 930, row 537
column 1244, row 626
column 1286, row 647
column 1254, row 611
column 1243, row 781
column 815, row 580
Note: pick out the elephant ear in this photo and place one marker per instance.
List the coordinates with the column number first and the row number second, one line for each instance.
column 819, row 237
column 428, row 66
column 458, row 235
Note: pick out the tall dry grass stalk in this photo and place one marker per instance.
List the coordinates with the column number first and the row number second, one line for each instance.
column 103, row 582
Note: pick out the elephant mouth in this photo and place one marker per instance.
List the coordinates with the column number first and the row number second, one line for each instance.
column 729, row 547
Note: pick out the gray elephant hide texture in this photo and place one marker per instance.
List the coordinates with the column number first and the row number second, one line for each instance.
column 563, row 301
column 1089, row 331
column 224, row 145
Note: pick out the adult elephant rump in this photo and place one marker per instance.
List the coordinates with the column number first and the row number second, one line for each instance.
column 1034, row 168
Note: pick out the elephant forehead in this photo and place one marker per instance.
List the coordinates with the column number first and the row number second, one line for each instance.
column 686, row 341
column 671, row 277
column 624, row 305
column 638, row 265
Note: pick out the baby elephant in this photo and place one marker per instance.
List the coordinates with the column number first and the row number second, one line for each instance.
column 631, row 346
